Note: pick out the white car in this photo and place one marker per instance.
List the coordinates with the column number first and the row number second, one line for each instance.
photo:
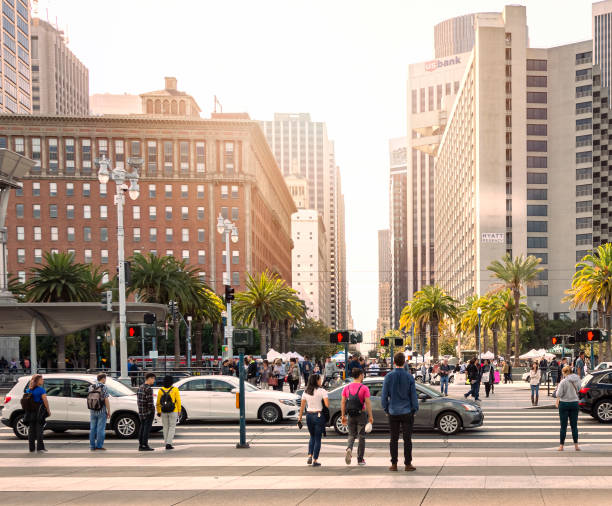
column 67, row 396
column 214, row 398
column 603, row 365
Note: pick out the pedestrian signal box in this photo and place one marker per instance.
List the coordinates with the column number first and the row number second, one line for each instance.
column 384, row 341
column 398, row 342
column 339, row 337
column 588, row 335
column 555, row 340
column 133, row 331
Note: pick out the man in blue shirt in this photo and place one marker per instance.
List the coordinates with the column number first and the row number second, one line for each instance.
column 399, row 400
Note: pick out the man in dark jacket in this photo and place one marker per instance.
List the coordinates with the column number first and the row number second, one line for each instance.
column 473, row 374
column 146, row 411
column 543, row 368
column 252, row 371
column 354, row 362
column 399, row 400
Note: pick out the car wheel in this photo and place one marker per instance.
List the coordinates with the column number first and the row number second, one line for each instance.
column 339, row 427
column 449, row 423
column 603, row 411
column 270, row 414
column 126, row 426
column 182, row 417
column 20, row 428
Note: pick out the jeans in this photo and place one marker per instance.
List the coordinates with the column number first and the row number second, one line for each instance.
column 535, row 393
column 35, row 431
column 356, row 428
column 145, row 429
column 474, row 390
column 568, row 410
column 316, row 424
column 444, row 384
column 406, row 422
column 97, row 428
column 169, row 426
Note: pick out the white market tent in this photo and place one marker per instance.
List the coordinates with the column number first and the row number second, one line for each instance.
column 338, row 357
column 487, row 355
column 535, row 354
column 273, row 354
column 295, row 354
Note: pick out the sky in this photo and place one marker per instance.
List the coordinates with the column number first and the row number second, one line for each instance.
column 343, row 61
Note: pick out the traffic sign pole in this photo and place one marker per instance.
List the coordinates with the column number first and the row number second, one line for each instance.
column 243, row 443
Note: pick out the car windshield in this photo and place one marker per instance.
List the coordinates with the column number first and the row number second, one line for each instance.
column 586, row 380
column 247, row 386
column 117, row 389
column 429, row 391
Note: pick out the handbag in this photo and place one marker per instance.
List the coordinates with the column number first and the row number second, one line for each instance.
column 272, row 381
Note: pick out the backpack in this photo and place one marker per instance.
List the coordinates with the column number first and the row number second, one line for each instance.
column 94, row 399
column 27, row 402
column 353, row 403
column 166, row 402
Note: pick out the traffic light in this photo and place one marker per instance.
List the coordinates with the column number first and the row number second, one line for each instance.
column 127, row 272
column 340, row 337
column 134, row 331
column 384, row 341
column 356, row 337
column 150, row 318
column 173, row 309
column 107, row 300
column 398, row 342
column 588, row 335
column 229, row 293
column 555, row 340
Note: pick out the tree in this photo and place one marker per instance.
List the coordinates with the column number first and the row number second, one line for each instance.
column 592, row 286
column 311, row 338
column 515, row 275
column 430, row 305
column 469, row 318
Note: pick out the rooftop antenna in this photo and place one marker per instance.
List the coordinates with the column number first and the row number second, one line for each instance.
column 218, row 103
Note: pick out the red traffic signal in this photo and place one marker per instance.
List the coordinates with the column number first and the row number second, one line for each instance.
column 590, row 335
column 133, row 331
column 339, row 337
column 555, row 340
column 384, row 341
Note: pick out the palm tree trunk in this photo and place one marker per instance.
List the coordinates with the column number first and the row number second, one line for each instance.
column 508, row 335
column 517, row 300
column 495, row 343
column 61, row 353
column 287, row 326
column 177, row 344
column 93, row 356
column 276, row 333
column 198, row 344
column 433, row 330
column 263, row 345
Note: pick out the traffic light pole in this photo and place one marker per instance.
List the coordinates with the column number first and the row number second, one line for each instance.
column 243, row 443
column 230, row 338
column 346, row 359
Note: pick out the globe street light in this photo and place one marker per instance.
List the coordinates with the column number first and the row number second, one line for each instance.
column 225, row 226
column 121, row 178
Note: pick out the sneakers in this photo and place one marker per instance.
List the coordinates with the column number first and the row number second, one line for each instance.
column 409, row 468
column 316, row 464
column 348, row 456
column 393, row 468
column 361, row 462
column 145, row 449
column 101, row 449
column 43, row 451
column 309, row 461
column 169, row 447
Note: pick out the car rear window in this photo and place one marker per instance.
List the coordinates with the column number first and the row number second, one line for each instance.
column 605, row 379
column 586, row 380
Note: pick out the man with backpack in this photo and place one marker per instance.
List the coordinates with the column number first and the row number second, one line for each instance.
column 169, row 408
column 356, row 403
column 99, row 412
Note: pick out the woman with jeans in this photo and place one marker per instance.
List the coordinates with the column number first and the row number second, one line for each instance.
column 567, row 402
column 313, row 400
column 534, row 381
column 35, row 419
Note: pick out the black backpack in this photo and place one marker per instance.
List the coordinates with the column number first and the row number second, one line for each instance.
column 166, row 402
column 353, row 403
column 94, row 399
column 28, row 404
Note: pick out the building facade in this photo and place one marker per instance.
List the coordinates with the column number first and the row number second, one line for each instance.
column 16, row 92
column 194, row 169
column 385, row 275
column 453, row 36
column 514, row 164
column 602, row 39
column 309, row 261
column 60, row 81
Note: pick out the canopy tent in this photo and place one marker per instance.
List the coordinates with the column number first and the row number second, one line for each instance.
column 338, row 357
column 273, row 354
column 295, row 354
column 487, row 355
column 535, row 354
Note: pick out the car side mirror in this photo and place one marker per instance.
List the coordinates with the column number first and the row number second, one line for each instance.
column 234, row 391
column 423, row 397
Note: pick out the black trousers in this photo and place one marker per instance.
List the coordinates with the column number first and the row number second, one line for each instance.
column 293, row 385
column 405, row 422
column 35, row 432
column 145, row 430
column 488, row 388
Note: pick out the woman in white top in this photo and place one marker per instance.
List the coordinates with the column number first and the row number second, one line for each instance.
column 313, row 399
column 534, row 381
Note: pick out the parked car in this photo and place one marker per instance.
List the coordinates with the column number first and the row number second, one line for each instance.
column 214, row 398
column 603, row 365
column 67, row 396
column 447, row 415
column 595, row 395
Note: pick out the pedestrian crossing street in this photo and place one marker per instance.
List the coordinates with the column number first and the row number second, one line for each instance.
column 515, row 449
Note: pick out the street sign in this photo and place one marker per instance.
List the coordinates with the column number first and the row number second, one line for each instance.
column 228, row 332
column 153, row 354
column 243, row 337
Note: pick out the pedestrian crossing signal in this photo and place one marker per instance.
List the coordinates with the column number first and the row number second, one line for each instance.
column 133, row 331
column 384, row 341
column 554, row 340
column 339, row 337
column 588, row 335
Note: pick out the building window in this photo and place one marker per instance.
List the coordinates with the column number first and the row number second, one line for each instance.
column 69, row 189
column 584, row 124
column 586, row 222
column 86, row 189
column 584, row 91
column 21, row 256
column 152, row 212
column 584, row 157
column 52, row 189
column 584, row 206
column 153, row 235
column 537, row 242
column 35, row 189
column 168, row 158
column 200, row 213
column 136, row 212
column 234, row 213
column 70, row 212
column 168, row 191
column 168, row 212
column 582, row 58
column 234, row 192
column 537, row 194
column 235, row 279
column 184, row 156
column 537, row 162
column 36, row 156
column 536, row 81
column 584, row 140
column 104, row 234
column 38, row 256
column 200, row 151
column 37, row 233
column 87, row 212
column 135, row 149
column 69, row 157
column 537, row 65
column 583, row 190
column 185, row 255
column 184, row 191
column 19, row 210
column 152, row 191
column 104, row 256
column 537, row 226
column 584, row 107
column 537, row 178
column 103, row 189
column 539, row 113
column 136, row 235
column 152, row 157
column 119, row 154
column 224, row 193
column 103, row 148
column 201, row 256
column 55, row 234
column 224, row 213
column 53, row 155
column 52, row 211
column 584, row 239
column 185, row 235
column 537, row 129
column 537, row 291
column 542, row 256
column 19, row 145
column 103, row 212
column 21, row 233
column 168, row 235
column 537, row 146
column 70, row 234
column 537, row 210
column 235, row 257
column 586, row 173
column 536, row 97
column 201, row 235
column 19, row 190
column 184, row 212
column 87, row 234
column 35, row 211
column 85, row 156
column 200, row 191
column 229, row 157
column 21, row 276
column 88, row 256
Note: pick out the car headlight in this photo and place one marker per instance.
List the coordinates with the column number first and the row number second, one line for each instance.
column 470, row 407
column 288, row 402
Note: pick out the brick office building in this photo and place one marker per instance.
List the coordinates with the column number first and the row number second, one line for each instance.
column 193, row 170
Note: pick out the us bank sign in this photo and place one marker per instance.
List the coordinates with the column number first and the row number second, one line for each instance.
column 432, row 65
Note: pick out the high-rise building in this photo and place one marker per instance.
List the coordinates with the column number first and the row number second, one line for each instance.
column 398, row 222
column 602, row 39
column 520, row 113
column 432, row 87
column 303, row 149
column 453, row 36
column 385, row 265
column 309, row 262
column 16, row 92
column 60, row 81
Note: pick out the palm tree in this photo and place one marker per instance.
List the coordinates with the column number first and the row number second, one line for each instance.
column 501, row 313
column 515, row 275
column 94, row 277
column 267, row 299
column 592, row 285
column 60, row 280
column 469, row 318
column 430, row 305
column 209, row 309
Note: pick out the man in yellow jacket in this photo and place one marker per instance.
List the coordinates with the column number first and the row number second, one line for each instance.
column 169, row 408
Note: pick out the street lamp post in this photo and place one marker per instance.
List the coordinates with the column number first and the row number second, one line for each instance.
column 479, row 311
column 121, row 178
column 225, row 226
